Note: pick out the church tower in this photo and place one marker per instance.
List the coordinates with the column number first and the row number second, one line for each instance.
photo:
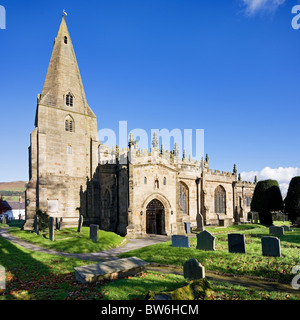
column 64, row 144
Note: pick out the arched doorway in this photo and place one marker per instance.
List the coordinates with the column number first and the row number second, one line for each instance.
column 155, row 220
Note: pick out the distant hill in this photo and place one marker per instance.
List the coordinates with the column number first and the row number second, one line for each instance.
column 11, row 191
column 20, row 185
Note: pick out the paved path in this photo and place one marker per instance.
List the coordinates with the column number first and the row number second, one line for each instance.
column 110, row 254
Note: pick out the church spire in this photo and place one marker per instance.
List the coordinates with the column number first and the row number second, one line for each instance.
column 63, row 86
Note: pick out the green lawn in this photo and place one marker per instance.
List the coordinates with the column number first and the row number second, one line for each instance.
column 39, row 276
column 252, row 263
column 69, row 240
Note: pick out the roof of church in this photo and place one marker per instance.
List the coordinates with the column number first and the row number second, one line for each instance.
column 63, row 75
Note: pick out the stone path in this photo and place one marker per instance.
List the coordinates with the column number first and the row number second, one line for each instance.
column 246, row 281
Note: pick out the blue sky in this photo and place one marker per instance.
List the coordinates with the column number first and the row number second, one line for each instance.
column 228, row 67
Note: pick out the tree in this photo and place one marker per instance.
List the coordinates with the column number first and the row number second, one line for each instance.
column 266, row 198
column 3, row 206
column 292, row 200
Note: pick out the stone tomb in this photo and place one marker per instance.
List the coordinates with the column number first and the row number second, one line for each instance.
column 205, row 241
column 114, row 269
column 270, row 247
column 277, row 231
column 94, row 231
column 236, row 243
column 180, row 241
column 193, row 270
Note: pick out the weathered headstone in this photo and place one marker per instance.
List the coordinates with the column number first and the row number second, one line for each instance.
column 270, row 247
column 193, row 270
column 36, row 224
column 80, row 222
column 277, row 231
column 94, row 230
column 3, row 219
column 286, row 228
column 205, row 241
column 180, row 241
column 51, row 229
column 58, row 223
column 236, row 243
column 187, row 227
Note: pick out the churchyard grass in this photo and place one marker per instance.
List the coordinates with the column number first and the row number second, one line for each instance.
column 69, row 240
column 251, row 263
column 38, row 276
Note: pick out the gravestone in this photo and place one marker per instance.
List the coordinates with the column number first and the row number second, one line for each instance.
column 3, row 219
column 187, row 227
column 270, row 247
column 205, row 241
column 180, row 241
column 236, row 243
column 277, row 231
column 51, row 229
column 58, row 222
column 36, row 224
column 94, row 230
column 193, row 270
column 286, row 228
column 80, row 222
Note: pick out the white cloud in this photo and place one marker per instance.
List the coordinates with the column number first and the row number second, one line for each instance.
column 282, row 175
column 254, row 6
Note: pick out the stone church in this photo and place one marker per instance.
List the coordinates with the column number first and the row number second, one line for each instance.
column 156, row 192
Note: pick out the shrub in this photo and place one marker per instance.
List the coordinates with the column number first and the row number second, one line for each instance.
column 292, row 200
column 266, row 198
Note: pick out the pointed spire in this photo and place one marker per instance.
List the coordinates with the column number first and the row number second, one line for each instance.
column 234, row 169
column 176, row 150
column 154, row 140
column 131, row 140
column 63, row 77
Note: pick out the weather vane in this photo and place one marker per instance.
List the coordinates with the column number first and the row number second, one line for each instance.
column 64, row 13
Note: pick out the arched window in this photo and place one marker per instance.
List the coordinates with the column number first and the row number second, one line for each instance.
column 66, row 40
column 145, row 180
column 69, row 124
column 184, row 198
column 165, row 181
column 220, row 200
column 156, row 184
column 69, row 100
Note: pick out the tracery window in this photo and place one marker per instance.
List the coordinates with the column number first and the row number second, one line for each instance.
column 220, row 200
column 184, row 198
column 69, row 124
column 69, row 100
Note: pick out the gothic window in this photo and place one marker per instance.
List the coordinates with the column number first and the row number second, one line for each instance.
column 156, row 184
column 69, row 149
column 184, row 198
column 69, row 124
column 69, row 100
column 66, row 40
column 248, row 201
column 220, row 200
column 165, row 181
column 145, row 180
